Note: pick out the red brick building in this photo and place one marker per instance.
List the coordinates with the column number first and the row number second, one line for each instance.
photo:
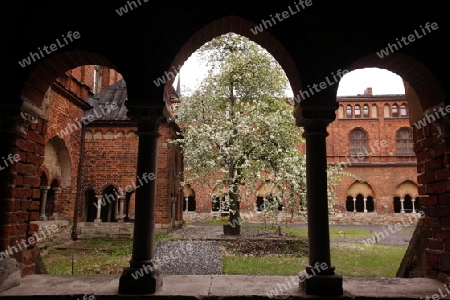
column 95, row 131
column 372, row 139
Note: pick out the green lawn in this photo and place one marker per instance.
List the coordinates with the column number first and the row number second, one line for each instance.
column 334, row 232
column 108, row 256
column 350, row 259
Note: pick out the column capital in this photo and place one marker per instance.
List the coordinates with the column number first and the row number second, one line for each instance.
column 148, row 118
column 315, row 118
column 17, row 124
column 57, row 190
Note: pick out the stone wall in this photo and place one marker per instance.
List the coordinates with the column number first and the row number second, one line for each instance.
column 405, row 219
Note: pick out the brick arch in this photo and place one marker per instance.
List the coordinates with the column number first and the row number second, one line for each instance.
column 362, row 188
column 242, row 27
column 415, row 75
column 106, row 185
column 358, row 128
column 45, row 73
column 87, row 187
column 407, row 187
column 45, row 177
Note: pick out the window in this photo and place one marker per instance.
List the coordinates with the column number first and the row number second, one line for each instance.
column 365, row 111
column 98, row 74
column 395, row 111
column 403, row 111
column 341, row 112
column 349, row 111
column 374, row 111
column 358, row 142
column 404, row 142
column 357, row 111
column 387, row 111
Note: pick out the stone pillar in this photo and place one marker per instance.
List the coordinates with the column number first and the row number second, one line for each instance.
column 186, row 200
column 44, row 193
column 147, row 120
column 121, row 207
column 402, row 206
column 354, row 204
column 322, row 279
column 365, row 204
column 98, row 218
column 413, row 206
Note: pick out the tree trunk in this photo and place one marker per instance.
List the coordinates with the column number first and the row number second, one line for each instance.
column 234, row 225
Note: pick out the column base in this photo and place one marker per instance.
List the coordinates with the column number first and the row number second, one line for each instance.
column 97, row 220
column 323, row 285
column 43, row 218
column 147, row 279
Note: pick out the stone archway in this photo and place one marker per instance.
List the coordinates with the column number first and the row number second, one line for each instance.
column 360, row 198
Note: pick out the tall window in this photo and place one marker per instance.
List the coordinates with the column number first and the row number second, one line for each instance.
column 395, row 111
column 358, row 142
column 341, row 112
column 98, row 74
column 387, row 111
column 349, row 111
column 404, row 142
column 403, row 111
column 374, row 111
column 357, row 111
column 365, row 111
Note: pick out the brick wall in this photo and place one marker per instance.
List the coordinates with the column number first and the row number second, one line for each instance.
column 63, row 116
column 433, row 156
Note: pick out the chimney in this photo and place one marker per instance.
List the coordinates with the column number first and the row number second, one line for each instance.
column 368, row 91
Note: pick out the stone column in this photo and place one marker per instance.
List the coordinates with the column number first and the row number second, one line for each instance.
column 121, row 208
column 365, row 204
column 354, row 204
column 413, row 206
column 402, row 206
column 147, row 120
column 98, row 219
column 321, row 279
column 44, row 193
column 186, row 200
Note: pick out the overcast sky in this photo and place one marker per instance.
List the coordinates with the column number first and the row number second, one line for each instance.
column 353, row 83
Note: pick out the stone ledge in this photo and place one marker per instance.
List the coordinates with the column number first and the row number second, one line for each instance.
column 220, row 287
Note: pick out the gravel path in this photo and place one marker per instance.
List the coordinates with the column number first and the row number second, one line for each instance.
column 189, row 257
column 197, row 251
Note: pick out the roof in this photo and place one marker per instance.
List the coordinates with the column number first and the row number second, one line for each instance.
column 109, row 104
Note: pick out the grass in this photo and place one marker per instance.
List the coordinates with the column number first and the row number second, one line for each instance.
column 334, row 232
column 350, row 259
column 110, row 256
column 94, row 256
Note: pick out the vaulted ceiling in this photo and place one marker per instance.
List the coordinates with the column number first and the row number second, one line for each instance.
column 156, row 35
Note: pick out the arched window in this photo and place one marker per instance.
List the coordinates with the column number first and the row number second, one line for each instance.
column 358, row 142
column 357, row 111
column 370, row 204
column 341, row 112
column 387, row 111
column 403, row 111
column 359, row 203
column 349, row 111
column 374, row 111
column 365, row 111
column 395, row 111
column 349, row 204
column 404, row 140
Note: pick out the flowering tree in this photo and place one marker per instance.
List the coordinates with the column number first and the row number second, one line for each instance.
column 238, row 126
